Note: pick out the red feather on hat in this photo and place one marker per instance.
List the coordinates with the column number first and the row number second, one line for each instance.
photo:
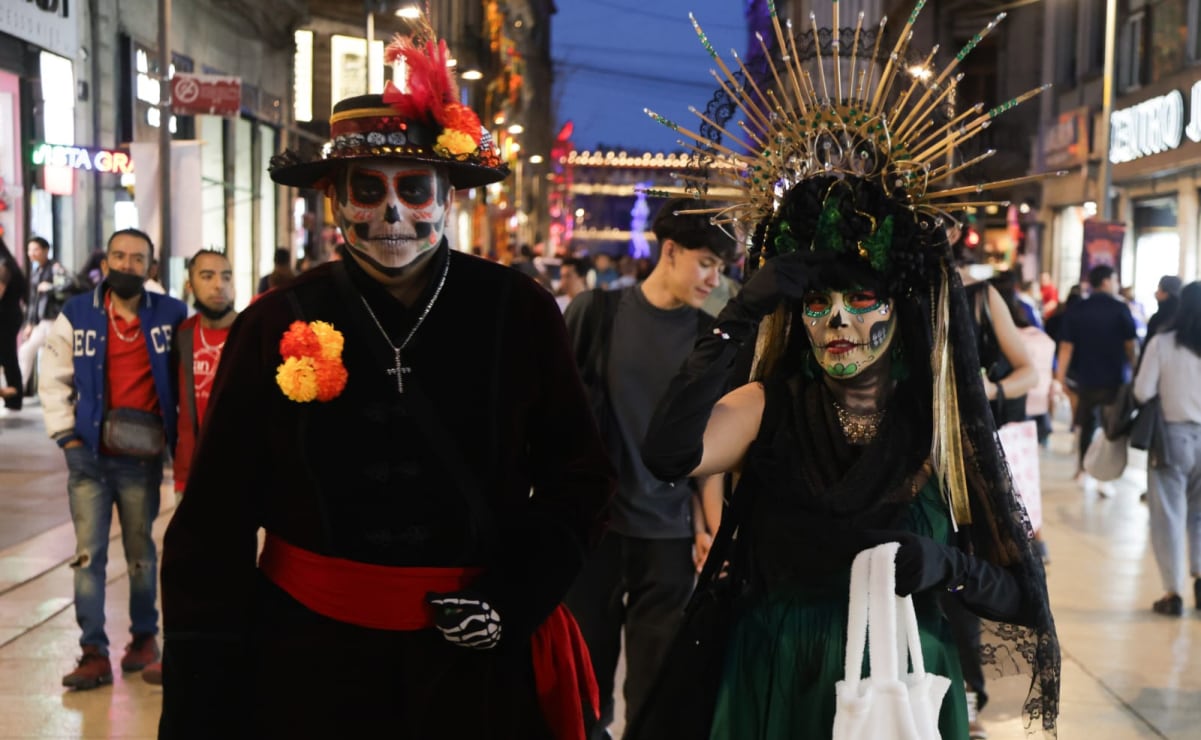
column 430, row 84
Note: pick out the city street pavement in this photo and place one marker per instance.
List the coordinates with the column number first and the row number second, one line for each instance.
column 33, row 476
column 1127, row 673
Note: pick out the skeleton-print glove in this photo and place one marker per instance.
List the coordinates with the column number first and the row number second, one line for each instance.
column 465, row 619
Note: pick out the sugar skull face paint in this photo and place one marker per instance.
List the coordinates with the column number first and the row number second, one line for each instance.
column 849, row 330
column 391, row 211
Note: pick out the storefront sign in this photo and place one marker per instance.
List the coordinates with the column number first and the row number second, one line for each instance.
column 83, row 158
column 1102, row 246
column 1065, row 143
column 49, row 24
column 211, row 95
column 1155, row 126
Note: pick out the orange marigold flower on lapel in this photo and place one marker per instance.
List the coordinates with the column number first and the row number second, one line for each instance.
column 297, row 378
column 312, row 367
column 300, row 340
column 331, row 379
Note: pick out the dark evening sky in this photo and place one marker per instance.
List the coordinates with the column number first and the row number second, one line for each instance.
column 615, row 57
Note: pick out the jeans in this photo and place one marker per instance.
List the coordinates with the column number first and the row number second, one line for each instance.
column 645, row 585
column 1174, row 503
column 95, row 482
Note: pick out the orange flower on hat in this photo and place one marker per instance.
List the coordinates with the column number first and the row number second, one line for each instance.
column 312, row 368
column 459, row 117
column 453, row 143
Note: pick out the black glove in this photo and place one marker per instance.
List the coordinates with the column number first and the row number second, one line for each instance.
column 988, row 590
column 781, row 278
column 465, row 619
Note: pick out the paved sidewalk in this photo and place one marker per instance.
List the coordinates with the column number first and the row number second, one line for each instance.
column 33, row 476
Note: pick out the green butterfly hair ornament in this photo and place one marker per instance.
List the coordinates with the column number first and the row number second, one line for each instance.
column 877, row 246
column 785, row 242
column 828, row 236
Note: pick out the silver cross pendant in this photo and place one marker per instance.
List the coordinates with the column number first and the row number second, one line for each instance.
column 398, row 369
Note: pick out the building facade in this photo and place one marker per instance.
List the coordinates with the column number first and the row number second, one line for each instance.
column 1153, row 152
column 81, row 102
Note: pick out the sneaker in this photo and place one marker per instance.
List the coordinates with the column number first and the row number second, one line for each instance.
column 1171, row 606
column 153, row 673
column 92, row 670
column 976, row 731
column 140, row 653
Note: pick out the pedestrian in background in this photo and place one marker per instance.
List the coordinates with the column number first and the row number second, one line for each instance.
column 1097, row 348
column 1170, row 371
column 13, row 285
column 628, row 344
column 108, row 397
column 49, row 286
column 1167, row 296
column 573, row 280
column 199, row 343
column 280, row 274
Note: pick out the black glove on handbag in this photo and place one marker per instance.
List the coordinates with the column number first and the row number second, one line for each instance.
column 987, row 590
column 674, row 441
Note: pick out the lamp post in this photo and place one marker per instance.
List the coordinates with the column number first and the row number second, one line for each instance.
column 1111, row 20
column 164, row 139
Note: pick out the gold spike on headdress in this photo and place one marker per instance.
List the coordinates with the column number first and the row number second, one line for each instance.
column 852, row 124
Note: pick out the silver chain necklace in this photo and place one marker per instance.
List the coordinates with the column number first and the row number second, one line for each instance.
column 204, row 342
column 398, row 369
column 113, row 322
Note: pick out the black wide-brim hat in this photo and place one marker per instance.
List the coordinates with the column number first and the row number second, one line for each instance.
column 365, row 127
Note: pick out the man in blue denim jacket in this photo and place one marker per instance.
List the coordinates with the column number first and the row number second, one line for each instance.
column 109, row 399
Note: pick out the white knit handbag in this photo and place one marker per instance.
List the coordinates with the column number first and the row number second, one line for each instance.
column 890, row 704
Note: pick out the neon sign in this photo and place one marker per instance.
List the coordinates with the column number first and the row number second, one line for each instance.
column 1155, row 126
column 83, row 158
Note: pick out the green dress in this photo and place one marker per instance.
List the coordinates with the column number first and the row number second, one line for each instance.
column 787, row 648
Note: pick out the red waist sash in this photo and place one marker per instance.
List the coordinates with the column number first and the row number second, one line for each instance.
column 393, row 598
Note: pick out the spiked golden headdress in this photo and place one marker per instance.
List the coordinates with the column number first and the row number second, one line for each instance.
column 849, row 123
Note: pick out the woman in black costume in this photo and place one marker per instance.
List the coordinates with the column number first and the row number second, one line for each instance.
column 866, row 421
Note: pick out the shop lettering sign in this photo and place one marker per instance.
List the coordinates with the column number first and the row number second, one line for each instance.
column 1155, row 126
column 45, row 23
column 83, row 158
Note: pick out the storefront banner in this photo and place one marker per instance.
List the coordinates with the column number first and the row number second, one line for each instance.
column 49, row 24
column 185, row 195
column 1102, row 246
column 211, row 95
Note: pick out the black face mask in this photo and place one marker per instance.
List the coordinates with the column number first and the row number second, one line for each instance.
column 209, row 313
column 125, row 284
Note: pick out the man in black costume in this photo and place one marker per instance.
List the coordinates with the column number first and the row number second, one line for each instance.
column 385, row 418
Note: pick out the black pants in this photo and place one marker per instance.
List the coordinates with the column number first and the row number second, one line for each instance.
column 641, row 584
column 1088, row 414
column 8, row 358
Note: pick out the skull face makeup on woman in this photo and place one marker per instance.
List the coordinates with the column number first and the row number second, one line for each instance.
column 849, row 330
column 392, row 211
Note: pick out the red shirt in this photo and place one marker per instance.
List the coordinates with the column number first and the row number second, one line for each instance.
column 206, row 353
column 129, row 382
column 207, row 345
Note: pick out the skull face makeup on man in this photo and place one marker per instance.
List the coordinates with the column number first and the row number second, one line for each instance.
column 392, row 211
column 849, row 330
